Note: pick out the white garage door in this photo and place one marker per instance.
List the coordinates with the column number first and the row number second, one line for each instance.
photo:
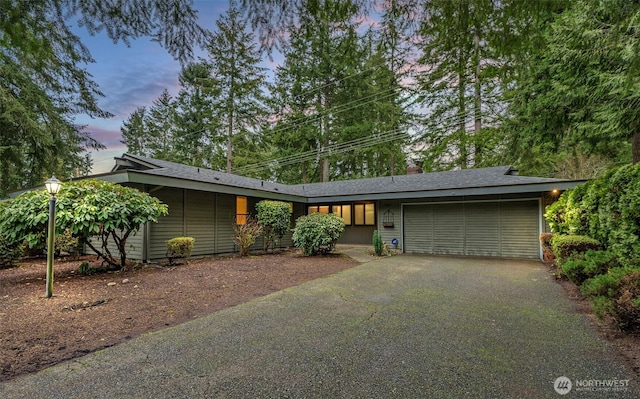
column 502, row 229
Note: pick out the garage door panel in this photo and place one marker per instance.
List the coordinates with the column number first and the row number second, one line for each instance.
column 520, row 229
column 499, row 229
column 448, row 229
column 482, row 229
column 418, row 223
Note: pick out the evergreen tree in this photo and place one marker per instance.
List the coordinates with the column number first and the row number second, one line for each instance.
column 161, row 126
column 578, row 94
column 239, row 80
column 196, row 138
column 43, row 84
column 134, row 133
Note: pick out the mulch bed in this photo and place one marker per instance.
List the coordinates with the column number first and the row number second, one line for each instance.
column 91, row 312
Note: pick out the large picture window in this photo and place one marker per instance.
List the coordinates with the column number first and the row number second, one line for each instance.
column 364, row 214
column 344, row 211
column 241, row 210
column 358, row 214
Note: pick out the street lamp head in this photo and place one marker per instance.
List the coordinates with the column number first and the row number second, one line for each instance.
column 53, row 185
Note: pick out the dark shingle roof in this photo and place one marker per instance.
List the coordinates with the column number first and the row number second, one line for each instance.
column 457, row 179
column 495, row 177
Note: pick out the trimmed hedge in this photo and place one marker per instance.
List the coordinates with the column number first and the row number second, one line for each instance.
column 565, row 246
column 592, row 264
column 607, row 209
column 179, row 247
column 317, row 233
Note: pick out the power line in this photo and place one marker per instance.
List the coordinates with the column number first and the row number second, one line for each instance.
column 342, row 147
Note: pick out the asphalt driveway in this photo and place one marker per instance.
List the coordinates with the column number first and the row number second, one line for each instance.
column 400, row 327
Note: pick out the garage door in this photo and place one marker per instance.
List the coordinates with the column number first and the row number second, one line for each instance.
column 502, row 229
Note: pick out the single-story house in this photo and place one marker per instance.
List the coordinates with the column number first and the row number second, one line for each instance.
column 475, row 212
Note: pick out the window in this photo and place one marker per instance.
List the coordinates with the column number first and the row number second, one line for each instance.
column 344, row 211
column 364, row 214
column 321, row 209
column 241, row 210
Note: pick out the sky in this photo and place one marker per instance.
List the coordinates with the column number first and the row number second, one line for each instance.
column 131, row 77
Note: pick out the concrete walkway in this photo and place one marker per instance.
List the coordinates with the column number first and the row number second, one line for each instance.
column 398, row 327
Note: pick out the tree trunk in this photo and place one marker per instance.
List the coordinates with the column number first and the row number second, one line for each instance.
column 477, row 101
column 635, row 147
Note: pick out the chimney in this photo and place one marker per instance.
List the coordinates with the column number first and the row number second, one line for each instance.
column 414, row 169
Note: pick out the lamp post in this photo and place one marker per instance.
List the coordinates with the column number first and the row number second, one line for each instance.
column 53, row 186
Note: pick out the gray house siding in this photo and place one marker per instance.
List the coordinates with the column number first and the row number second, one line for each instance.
column 169, row 226
column 392, row 210
column 225, row 214
column 200, row 220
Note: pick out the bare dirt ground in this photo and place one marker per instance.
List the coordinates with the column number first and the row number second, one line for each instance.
column 91, row 312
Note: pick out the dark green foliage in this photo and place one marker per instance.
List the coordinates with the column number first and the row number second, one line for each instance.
column 591, row 264
column 565, row 246
column 605, row 289
column 574, row 91
column 44, row 83
column 317, row 233
column 90, row 209
column 605, row 285
column 275, row 219
column 626, row 308
column 377, row 243
column 9, row 252
column 607, row 209
column 85, row 269
column 179, row 247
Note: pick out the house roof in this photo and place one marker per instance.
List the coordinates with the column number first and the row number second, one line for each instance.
column 482, row 181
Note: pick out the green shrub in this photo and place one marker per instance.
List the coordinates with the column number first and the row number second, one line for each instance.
column 605, row 285
column 9, row 252
column 317, row 233
column 565, row 246
column 607, row 209
column 275, row 219
column 589, row 265
column 626, row 308
column 377, row 243
column 246, row 234
column 179, row 247
column 85, row 269
column 555, row 214
column 602, row 306
column 66, row 242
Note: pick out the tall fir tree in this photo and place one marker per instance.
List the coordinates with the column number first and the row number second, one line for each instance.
column 44, row 85
column 577, row 95
column 237, row 76
column 134, row 133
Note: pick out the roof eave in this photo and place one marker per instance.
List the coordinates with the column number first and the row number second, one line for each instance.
column 458, row 192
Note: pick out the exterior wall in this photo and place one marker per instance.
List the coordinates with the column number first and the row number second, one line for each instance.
column 225, row 214
column 200, row 220
column 357, row 235
column 169, row 226
column 387, row 211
